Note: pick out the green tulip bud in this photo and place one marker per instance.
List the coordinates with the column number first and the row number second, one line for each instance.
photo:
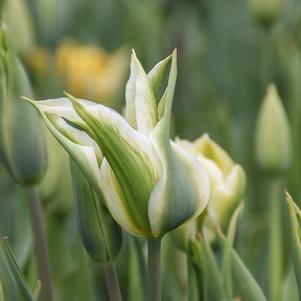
column 100, row 234
column 267, row 11
column 150, row 184
column 22, row 145
column 273, row 137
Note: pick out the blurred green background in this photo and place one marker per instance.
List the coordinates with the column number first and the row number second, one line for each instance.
column 228, row 52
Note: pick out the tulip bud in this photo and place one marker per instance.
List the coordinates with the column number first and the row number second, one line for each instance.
column 273, row 136
column 100, row 234
column 227, row 179
column 22, row 145
column 267, row 11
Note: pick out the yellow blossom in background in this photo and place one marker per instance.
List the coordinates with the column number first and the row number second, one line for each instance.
column 38, row 61
column 89, row 71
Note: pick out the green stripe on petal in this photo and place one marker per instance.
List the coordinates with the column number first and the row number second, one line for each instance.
column 130, row 155
column 117, row 203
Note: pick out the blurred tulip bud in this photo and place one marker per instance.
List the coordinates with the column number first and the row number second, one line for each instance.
column 267, row 11
column 273, row 144
column 227, row 179
column 150, row 184
column 12, row 284
column 100, row 234
column 22, row 145
column 17, row 17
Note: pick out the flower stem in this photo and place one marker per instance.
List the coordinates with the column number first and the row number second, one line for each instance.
column 112, row 282
column 275, row 239
column 154, row 270
column 41, row 250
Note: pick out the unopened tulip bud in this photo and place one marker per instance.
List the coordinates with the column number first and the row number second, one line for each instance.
column 273, row 136
column 267, row 11
column 22, row 144
column 100, row 234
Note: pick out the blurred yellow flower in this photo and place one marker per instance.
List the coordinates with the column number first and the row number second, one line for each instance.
column 90, row 72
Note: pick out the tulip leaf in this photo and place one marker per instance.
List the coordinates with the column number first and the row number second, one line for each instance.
column 244, row 282
column 226, row 261
column 212, row 277
column 295, row 238
column 12, row 283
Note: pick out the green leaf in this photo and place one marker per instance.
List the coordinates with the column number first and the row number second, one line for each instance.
column 295, row 238
column 13, row 284
column 212, row 277
column 244, row 282
column 226, row 261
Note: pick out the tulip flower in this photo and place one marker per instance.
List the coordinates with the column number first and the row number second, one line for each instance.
column 273, row 144
column 227, row 179
column 227, row 183
column 151, row 185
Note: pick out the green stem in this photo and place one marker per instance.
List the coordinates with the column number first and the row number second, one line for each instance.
column 41, row 250
column 275, row 239
column 112, row 282
column 154, row 270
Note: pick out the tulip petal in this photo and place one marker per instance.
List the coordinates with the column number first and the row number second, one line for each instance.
column 117, row 203
column 211, row 150
column 77, row 143
column 140, row 101
column 182, row 191
column 156, row 75
column 129, row 153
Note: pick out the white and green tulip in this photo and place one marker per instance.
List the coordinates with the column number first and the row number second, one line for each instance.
column 151, row 185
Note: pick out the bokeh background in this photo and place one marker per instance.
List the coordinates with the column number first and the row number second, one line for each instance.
column 228, row 52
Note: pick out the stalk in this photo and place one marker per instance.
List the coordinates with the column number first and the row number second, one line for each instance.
column 112, row 282
column 41, row 250
column 275, row 239
column 154, row 269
